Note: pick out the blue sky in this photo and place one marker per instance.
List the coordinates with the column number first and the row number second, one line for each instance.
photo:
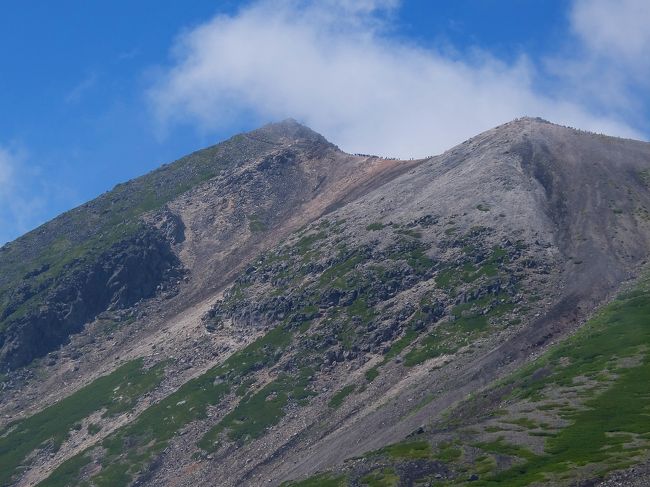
column 95, row 93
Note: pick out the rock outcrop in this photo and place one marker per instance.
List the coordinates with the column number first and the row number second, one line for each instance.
column 129, row 271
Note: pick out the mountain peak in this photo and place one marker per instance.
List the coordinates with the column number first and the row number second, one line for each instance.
column 288, row 131
column 522, row 123
column 528, row 119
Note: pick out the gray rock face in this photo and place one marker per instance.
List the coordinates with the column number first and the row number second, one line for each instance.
column 129, row 271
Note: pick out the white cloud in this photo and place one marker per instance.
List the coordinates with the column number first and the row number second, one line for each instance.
column 77, row 93
column 617, row 29
column 331, row 65
column 22, row 200
column 605, row 63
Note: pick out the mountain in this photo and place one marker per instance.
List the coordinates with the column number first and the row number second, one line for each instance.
column 272, row 310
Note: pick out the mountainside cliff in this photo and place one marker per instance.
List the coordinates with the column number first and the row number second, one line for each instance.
column 271, row 309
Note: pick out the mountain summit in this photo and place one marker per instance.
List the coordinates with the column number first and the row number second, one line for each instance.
column 288, row 130
column 274, row 311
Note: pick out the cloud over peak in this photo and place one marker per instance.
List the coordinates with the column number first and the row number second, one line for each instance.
column 334, row 66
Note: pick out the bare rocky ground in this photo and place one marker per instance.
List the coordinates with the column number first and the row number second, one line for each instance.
column 498, row 248
column 633, row 477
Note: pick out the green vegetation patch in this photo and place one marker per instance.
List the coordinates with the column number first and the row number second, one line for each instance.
column 431, row 346
column 256, row 224
column 337, row 399
column 413, row 252
column 371, row 374
column 612, row 426
column 471, row 320
column 373, row 227
column 335, row 274
column 621, row 329
column 130, row 449
column 306, row 242
column 409, row 232
column 448, row 452
column 381, row 477
column 399, row 345
column 451, row 276
column 115, row 393
column 408, row 450
column 67, row 474
column 501, row 447
column 256, row 413
column 445, row 278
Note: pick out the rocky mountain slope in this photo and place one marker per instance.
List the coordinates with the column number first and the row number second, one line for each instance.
column 272, row 310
